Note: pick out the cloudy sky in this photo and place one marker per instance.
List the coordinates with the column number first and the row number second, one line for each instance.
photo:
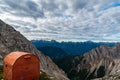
column 64, row 20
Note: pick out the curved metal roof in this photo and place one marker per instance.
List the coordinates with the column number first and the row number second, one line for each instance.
column 13, row 56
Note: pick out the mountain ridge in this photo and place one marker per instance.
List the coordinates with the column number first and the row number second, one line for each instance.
column 99, row 62
column 12, row 40
column 68, row 48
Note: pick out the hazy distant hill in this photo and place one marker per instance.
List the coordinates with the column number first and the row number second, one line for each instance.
column 53, row 52
column 56, row 49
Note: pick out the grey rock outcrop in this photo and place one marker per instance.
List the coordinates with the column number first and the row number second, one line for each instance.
column 11, row 40
column 100, row 62
column 103, row 61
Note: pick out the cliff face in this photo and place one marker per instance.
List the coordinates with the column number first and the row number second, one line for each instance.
column 99, row 62
column 103, row 61
column 11, row 40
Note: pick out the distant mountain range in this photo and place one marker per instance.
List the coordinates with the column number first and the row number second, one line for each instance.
column 53, row 52
column 57, row 50
column 84, row 60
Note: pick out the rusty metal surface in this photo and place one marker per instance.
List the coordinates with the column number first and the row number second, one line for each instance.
column 21, row 66
column 13, row 56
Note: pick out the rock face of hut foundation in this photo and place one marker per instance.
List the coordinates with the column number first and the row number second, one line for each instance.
column 21, row 66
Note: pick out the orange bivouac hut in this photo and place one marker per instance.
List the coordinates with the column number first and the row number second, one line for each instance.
column 21, row 66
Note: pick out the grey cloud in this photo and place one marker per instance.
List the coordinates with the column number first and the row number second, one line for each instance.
column 31, row 5
column 24, row 24
column 24, row 8
column 91, row 19
column 53, row 8
column 49, row 5
column 79, row 4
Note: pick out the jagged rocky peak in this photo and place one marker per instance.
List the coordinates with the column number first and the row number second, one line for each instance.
column 104, row 60
column 1, row 24
column 116, row 51
column 98, row 53
column 99, row 62
column 11, row 40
